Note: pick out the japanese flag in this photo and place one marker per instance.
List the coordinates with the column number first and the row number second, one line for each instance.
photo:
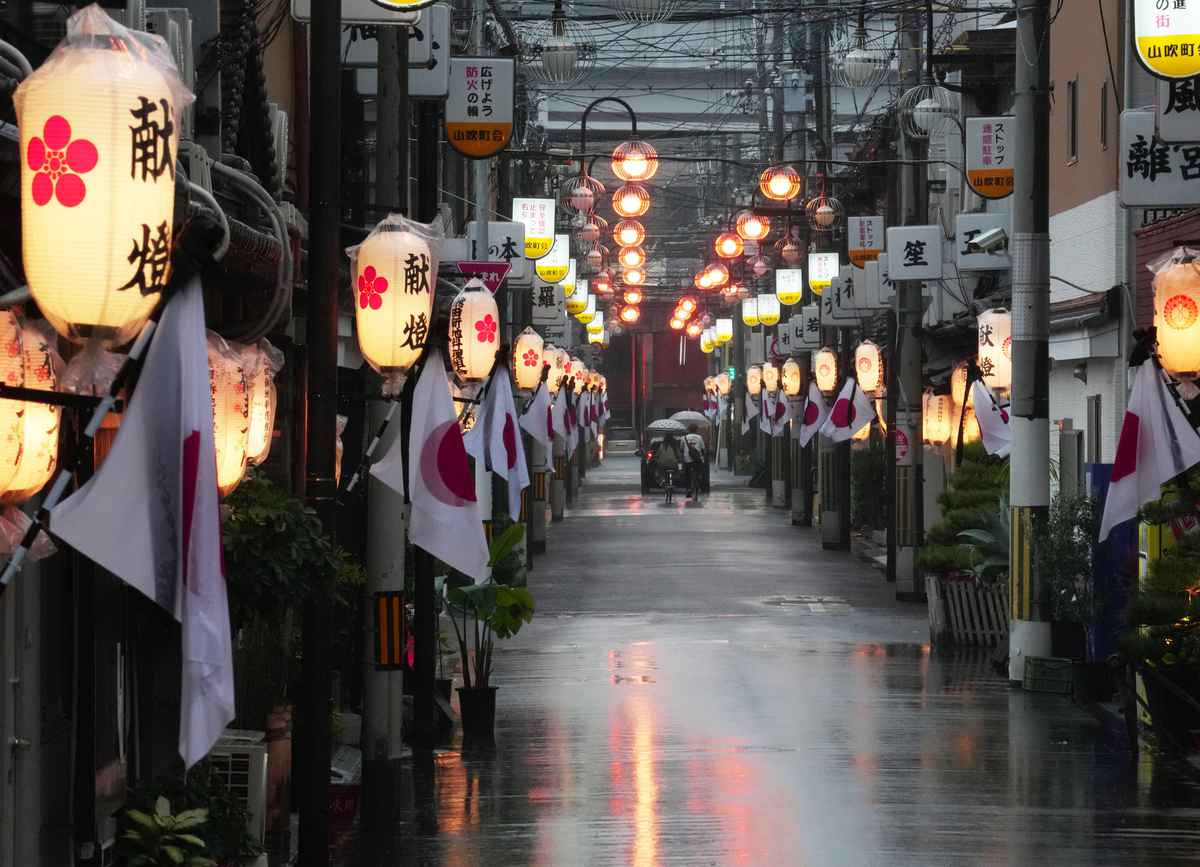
column 150, row 515
column 570, row 421
column 775, row 413
column 558, row 416
column 815, row 414
column 445, row 518
column 1157, row 443
column 538, row 418
column 851, row 412
column 993, row 421
column 751, row 412
column 495, row 439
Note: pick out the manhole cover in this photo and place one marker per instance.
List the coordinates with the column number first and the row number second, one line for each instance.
column 813, row 604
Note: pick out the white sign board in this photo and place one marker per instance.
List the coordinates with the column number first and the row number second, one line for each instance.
column 1155, row 174
column 789, row 285
column 479, row 107
column 967, row 228
column 822, row 268
column 837, row 302
column 549, row 310
column 554, row 267
column 989, row 156
column 364, row 12
column 865, row 237
column 1166, row 37
column 506, row 243
column 1177, row 110
column 537, row 215
column 428, row 57
column 810, row 326
column 914, row 252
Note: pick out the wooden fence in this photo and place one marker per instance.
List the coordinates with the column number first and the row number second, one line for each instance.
column 964, row 611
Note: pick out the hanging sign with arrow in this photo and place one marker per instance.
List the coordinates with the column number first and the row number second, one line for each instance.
column 491, row 273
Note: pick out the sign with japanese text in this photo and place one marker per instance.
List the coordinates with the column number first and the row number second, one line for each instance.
column 865, row 237
column 491, row 273
column 789, row 285
column 989, row 156
column 537, row 215
column 865, row 282
column 1155, row 174
column 879, row 289
column 568, row 282
column 549, row 310
column 1166, row 37
column 811, row 327
column 967, row 228
column 368, row 11
column 479, row 108
column 822, row 268
column 506, row 243
column 1177, row 110
column 554, row 265
column 914, row 252
column 837, row 301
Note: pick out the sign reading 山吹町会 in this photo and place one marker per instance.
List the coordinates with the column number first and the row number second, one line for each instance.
column 1166, row 37
column 479, row 107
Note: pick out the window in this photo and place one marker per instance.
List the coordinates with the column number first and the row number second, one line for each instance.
column 1073, row 119
column 1104, row 115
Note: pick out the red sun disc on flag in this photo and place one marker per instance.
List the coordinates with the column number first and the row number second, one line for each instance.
column 510, row 441
column 445, row 469
column 811, row 413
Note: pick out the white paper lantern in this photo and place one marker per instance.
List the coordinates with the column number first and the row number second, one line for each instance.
column 995, row 348
column 750, row 312
column 262, row 363
column 395, row 277
column 770, row 377
column 792, row 379
column 559, row 362
column 868, row 366
column 39, row 421
column 99, row 124
column 825, row 370
column 754, row 380
column 596, row 337
column 724, row 331
column 724, row 383
column 527, row 359
column 1177, row 316
column 577, row 303
column 596, row 324
column 231, row 412
column 937, row 418
column 768, row 309
column 474, row 332
column 958, row 387
column 12, row 373
column 707, row 343
column 579, row 373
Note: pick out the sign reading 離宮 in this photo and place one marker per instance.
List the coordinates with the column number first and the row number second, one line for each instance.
column 989, row 156
column 1166, row 37
column 479, row 109
column 1154, row 173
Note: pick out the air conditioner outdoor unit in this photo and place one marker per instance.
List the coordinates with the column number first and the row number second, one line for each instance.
column 175, row 26
column 239, row 760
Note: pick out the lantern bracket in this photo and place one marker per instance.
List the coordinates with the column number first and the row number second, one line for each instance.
column 588, row 110
column 55, row 398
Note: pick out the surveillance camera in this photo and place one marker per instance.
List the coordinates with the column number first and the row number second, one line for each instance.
column 991, row 241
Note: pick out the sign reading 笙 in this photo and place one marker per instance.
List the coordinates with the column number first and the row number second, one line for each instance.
column 479, row 108
column 537, row 215
column 865, row 236
column 1153, row 173
column 1166, row 37
column 822, row 268
column 914, row 252
column 1177, row 110
column 989, row 156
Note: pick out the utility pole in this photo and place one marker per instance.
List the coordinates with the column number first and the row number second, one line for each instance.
column 482, row 168
column 1029, row 493
column 321, row 321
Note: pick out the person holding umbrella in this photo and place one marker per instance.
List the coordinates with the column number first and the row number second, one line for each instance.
column 694, row 458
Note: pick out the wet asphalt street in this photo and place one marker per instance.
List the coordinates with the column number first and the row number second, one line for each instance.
column 703, row 685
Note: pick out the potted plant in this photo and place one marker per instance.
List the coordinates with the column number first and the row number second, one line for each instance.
column 163, row 839
column 481, row 613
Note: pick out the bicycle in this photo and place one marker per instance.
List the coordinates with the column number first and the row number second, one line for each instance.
column 668, row 482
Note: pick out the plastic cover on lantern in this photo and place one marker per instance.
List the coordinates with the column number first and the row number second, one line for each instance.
column 1177, row 311
column 340, row 426
column 91, row 370
column 262, row 363
column 393, row 275
column 231, row 411
column 474, row 331
column 527, row 359
column 99, row 123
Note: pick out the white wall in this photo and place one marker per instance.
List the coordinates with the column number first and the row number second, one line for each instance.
column 1086, row 247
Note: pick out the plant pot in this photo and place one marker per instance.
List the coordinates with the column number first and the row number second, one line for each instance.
column 1068, row 640
column 478, row 708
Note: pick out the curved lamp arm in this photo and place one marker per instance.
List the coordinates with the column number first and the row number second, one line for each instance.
column 588, row 110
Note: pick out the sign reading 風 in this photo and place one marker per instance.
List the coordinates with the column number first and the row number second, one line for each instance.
column 479, row 109
column 989, row 161
column 1166, row 37
column 865, row 236
column 1177, row 110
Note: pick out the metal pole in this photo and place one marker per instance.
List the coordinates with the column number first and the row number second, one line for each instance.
column 321, row 320
column 1029, row 491
column 481, row 168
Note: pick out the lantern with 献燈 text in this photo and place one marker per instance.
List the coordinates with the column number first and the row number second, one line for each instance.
column 527, row 359
column 474, row 332
column 557, row 359
column 99, row 124
column 231, row 412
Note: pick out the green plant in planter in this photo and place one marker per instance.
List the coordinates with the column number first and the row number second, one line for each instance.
column 163, row 839
column 987, row 547
column 1063, row 543
column 971, row 501
column 497, row 608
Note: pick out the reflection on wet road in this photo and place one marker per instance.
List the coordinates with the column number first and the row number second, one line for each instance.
column 660, row 714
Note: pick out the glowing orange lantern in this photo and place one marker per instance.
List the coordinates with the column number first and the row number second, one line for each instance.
column 753, row 227
column 631, row 200
column 635, row 160
column 780, row 183
column 632, row 257
column 728, row 245
column 629, row 233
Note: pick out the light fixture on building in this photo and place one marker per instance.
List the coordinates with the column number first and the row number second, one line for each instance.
column 596, row 325
column 825, row 370
column 750, row 312
column 760, row 266
column 630, row 314
column 231, row 409
column 824, row 213
column 688, row 304
column 780, row 183
column 588, row 314
column 631, row 200
column 99, row 125
column 724, row 331
column 791, row 253
column 635, row 160
column 577, row 302
column 995, row 348
column 629, row 233
column 594, row 258
column 694, row 330
column 718, row 274
column 791, row 377
column 474, row 332
column 863, row 65
column 752, row 227
column 557, row 51
column 675, row 323
column 768, row 309
column 728, row 245
column 602, row 281
column 868, row 366
column 589, row 233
